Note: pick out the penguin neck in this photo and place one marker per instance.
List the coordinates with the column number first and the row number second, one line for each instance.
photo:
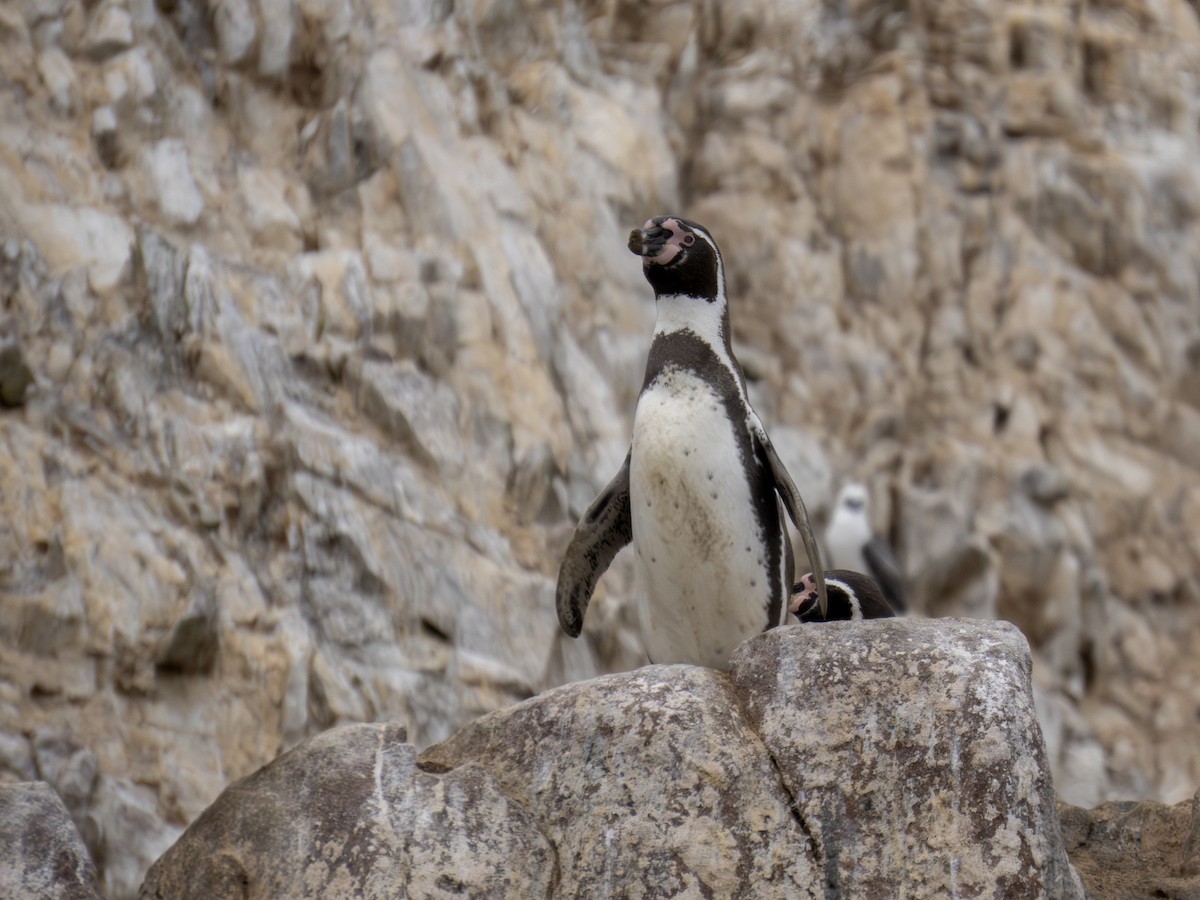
column 705, row 318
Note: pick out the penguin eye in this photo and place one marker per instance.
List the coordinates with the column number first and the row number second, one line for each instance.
column 688, row 240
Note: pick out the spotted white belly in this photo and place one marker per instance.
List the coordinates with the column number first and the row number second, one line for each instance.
column 705, row 585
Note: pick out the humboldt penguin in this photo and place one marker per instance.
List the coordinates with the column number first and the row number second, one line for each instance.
column 702, row 492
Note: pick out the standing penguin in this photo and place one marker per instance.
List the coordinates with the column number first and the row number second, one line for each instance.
column 698, row 494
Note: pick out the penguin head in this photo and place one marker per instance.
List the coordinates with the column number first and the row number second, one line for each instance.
column 853, row 497
column 679, row 257
column 852, row 596
column 803, row 600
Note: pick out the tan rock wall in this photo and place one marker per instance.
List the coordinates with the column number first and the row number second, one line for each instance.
column 334, row 335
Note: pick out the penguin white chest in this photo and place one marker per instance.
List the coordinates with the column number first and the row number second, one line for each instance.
column 700, row 549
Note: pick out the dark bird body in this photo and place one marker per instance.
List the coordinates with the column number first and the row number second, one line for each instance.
column 852, row 596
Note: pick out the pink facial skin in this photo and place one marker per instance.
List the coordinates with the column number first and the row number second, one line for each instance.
column 807, row 592
column 651, row 235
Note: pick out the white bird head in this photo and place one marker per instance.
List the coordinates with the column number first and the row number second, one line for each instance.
column 852, row 498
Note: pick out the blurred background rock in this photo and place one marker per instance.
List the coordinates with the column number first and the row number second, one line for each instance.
column 317, row 333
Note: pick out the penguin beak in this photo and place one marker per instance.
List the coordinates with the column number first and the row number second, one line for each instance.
column 657, row 242
column 649, row 242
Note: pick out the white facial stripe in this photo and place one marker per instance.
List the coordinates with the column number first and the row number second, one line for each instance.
column 838, row 583
column 720, row 264
column 855, row 606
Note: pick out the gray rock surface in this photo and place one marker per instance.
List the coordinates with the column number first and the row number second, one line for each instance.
column 41, row 852
column 647, row 783
column 350, row 813
column 118, row 819
column 913, row 752
column 830, row 762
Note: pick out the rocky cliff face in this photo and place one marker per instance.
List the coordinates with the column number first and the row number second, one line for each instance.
column 332, row 335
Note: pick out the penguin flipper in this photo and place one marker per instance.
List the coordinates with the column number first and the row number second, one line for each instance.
column 605, row 528
column 794, row 503
column 885, row 568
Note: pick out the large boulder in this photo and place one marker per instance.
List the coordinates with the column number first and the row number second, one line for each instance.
column 649, row 782
column 913, row 752
column 41, row 852
column 349, row 814
column 831, row 761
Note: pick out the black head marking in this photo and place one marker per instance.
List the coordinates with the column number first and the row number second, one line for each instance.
column 679, row 257
column 852, row 596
